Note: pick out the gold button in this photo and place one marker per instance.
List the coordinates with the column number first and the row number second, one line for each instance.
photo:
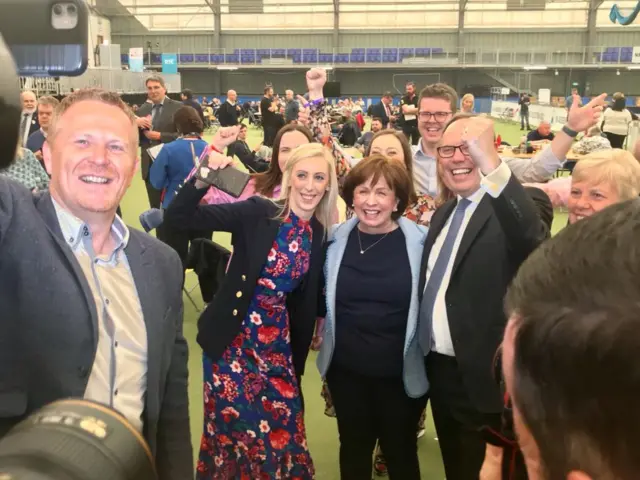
column 238, row 294
column 235, row 312
column 244, row 278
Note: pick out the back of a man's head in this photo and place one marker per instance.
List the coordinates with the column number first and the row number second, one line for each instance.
column 575, row 346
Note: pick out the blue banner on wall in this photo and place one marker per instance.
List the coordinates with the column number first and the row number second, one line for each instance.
column 169, row 63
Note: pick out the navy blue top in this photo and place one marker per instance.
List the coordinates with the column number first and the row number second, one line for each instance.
column 173, row 164
column 373, row 294
column 35, row 141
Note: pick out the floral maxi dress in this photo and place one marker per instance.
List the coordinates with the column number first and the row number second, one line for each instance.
column 253, row 419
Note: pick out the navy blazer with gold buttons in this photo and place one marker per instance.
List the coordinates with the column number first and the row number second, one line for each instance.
column 253, row 224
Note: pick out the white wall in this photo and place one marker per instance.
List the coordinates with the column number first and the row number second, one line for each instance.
column 98, row 26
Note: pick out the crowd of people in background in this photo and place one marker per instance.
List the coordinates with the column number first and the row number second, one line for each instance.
column 404, row 300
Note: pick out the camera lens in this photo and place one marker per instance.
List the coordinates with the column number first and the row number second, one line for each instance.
column 57, row 9
column 71, row 9
column 75, row 440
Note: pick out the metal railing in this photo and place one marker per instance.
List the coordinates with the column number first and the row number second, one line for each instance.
column 428, row 56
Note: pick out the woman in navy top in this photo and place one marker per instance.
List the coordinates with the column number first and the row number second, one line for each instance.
column 170, row 169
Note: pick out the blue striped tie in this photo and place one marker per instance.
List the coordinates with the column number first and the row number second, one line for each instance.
column 437, row 274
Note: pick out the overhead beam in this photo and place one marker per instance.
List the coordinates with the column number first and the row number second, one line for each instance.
column 592, row 17
column 462, row 6
column 214, row 5
column 336, row 24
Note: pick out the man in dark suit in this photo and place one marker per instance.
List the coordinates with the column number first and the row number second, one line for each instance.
column 382, row 110
column 155, row 121
column 230, row 113
column 187, row 99
column 475, row 245
column 29, row 117
column 94, row 311
column 248, row 157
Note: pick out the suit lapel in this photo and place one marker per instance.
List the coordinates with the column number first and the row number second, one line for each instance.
column 435, row 227
column 265, row 233
column 45, row 206
column 153, row 311
column 477, row 221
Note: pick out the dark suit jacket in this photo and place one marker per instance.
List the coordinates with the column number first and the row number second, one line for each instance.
column 254, row 227
column 501, row 234
column 228, row 114
column 166, row 127
column 190, row 102
column 49, row 325
column 247, row 156
column 378, row 110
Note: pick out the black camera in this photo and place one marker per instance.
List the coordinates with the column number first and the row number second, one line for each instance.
column 75, row 440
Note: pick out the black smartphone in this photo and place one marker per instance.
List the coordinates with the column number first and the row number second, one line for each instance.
column 230, row 180
column 46, row 37
column 10, row 107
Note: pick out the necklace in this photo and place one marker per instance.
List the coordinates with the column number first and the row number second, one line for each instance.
column 363, row 250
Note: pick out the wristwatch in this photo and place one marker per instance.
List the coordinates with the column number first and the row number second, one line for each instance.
column 568, row 131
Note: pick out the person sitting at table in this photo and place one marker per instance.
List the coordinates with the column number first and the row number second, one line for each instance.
column 543, row 132
column 593, row 141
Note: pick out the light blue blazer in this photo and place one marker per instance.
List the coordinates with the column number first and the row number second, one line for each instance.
column 414, row 373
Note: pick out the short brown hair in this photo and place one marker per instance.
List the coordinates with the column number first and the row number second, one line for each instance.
column 374, row 167
column 49, row 100
column 91, row 95
column 442, row 91
column 406, row 151
column 576, row 371
column 155, row 78
column 187, row 120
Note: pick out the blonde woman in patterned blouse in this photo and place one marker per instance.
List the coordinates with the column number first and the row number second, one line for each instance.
column 27, row 170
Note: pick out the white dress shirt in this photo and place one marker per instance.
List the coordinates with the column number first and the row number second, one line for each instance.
column 119, row 373
column 425, row 171
column 493, row 184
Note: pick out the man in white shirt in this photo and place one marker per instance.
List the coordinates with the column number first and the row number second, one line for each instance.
column 29, row 117
column 475, row 245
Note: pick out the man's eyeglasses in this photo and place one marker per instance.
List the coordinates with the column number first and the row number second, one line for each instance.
column 439, row 116
column 448, row 151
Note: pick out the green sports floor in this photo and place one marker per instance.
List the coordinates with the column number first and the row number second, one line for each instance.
column 321, row 430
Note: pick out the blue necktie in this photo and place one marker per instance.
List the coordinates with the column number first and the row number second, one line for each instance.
column 437, row 274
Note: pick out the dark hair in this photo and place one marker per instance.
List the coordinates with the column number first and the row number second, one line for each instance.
column 155, row 78
column 187, row 93
column 387, row 94
column 267, row 88
column 619, row 102
column 442, row 91
column 243, row 126
column 373, row 168
column 406, row 152
column 266, row 182
column 376, row 119
column 187, row 120
column 576, row 368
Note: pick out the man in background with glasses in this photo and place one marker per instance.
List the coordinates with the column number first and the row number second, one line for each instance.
column 436, row 107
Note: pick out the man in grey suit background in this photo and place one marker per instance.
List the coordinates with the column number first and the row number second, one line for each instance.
column 90, row 308
column 155, row 121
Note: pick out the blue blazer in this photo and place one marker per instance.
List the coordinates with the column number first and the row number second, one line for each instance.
column 414, row 373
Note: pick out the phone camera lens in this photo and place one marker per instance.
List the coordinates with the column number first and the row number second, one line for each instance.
column 57, row 9
column 71, row 9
